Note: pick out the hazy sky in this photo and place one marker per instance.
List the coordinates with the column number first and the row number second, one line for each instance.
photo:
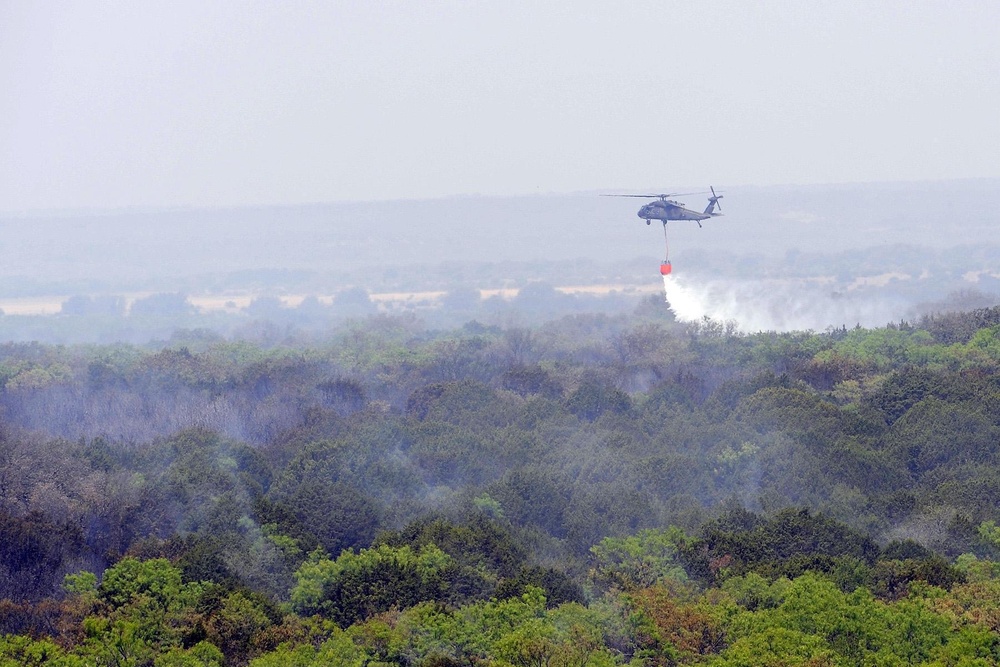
column 110, row 104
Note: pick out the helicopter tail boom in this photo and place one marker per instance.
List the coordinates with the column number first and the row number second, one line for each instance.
column 713, row 202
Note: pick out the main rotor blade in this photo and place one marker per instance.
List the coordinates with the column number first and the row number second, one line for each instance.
column 661, row 195
column 643, row 196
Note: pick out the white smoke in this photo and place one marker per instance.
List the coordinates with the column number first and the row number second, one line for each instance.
column 775, row 305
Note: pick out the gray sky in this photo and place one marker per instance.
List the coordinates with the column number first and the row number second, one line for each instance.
column 191, row 103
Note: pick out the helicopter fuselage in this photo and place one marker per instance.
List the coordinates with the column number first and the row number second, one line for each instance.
column 665, row 210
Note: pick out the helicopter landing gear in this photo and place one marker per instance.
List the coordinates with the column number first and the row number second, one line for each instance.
column 647, row 222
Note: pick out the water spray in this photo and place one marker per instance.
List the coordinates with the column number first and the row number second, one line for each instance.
column 775, row 305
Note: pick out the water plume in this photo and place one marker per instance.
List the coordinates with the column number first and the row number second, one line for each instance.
column 776, row 305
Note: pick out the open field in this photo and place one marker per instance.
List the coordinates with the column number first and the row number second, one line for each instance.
column 206, row 303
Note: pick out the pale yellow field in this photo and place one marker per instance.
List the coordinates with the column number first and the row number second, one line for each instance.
column 600, row 290
column 45, row 305
column 51, row 305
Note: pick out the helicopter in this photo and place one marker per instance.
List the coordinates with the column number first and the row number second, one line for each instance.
column 664, row 209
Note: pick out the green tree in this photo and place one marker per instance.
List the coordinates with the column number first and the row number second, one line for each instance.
column 356, row 586
column 641, row 560
column 143, row 609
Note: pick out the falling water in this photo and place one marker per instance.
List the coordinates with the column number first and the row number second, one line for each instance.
column 774, row 305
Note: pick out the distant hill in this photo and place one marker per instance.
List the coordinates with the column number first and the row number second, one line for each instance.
column 381, row 243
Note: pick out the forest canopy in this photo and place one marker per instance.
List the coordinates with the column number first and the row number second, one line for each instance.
column 593, row 490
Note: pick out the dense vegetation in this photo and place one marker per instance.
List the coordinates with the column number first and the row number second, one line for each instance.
column 595, row 490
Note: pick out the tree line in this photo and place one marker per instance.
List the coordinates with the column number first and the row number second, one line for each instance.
column 599, row 489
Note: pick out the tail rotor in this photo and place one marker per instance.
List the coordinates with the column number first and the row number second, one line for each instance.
column 714, row 199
